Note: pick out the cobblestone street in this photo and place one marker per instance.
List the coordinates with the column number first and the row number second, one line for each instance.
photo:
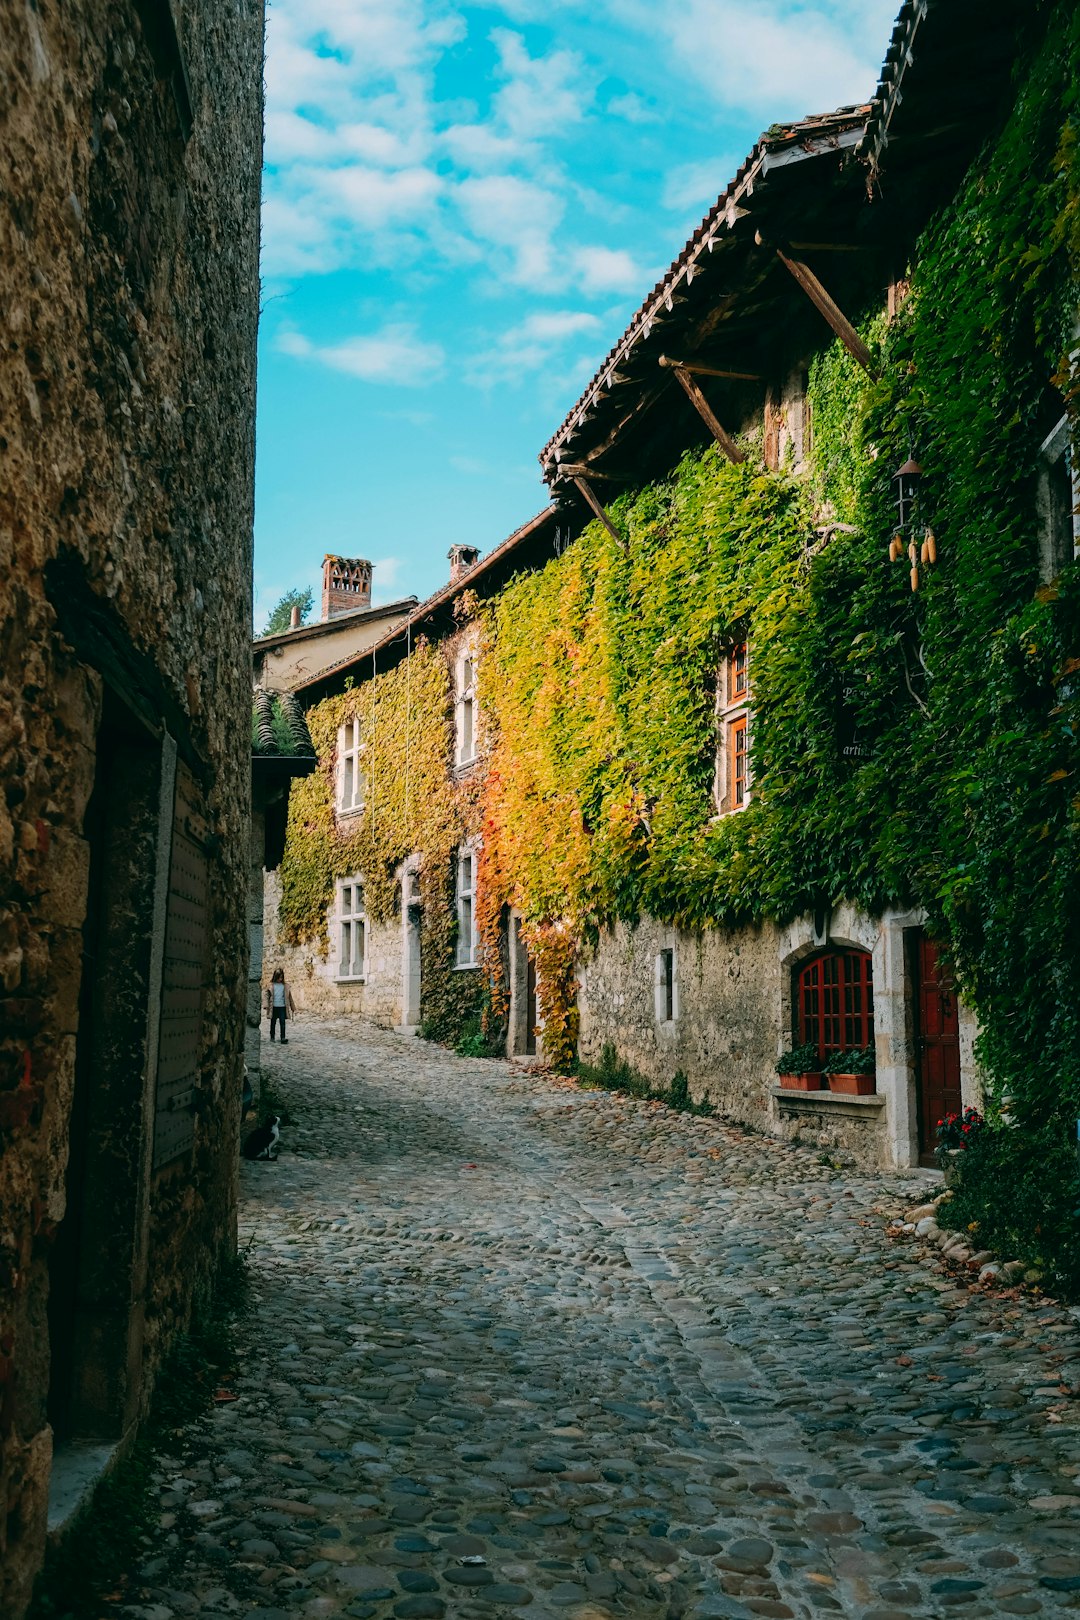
column 517, row 1345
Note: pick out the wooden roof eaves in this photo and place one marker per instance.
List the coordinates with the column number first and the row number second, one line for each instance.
column 814, row 137
column 887, row 97
column 340, row 621
column 927, row 75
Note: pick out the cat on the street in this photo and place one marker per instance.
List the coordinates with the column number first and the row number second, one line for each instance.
column 263, row 1141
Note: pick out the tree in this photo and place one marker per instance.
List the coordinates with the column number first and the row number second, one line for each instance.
column 281, row 617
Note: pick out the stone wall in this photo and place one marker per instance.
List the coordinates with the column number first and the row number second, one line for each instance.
column 311, row 968
column 726, row 1003
column 733, row 1015
column 128, row 292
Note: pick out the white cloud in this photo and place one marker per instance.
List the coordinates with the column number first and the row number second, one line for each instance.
column 349, row 128
column 696, row 186
column 542, row 95
column 479, row 146
column 517, row 217
column 633, row 108
column 387, row 584
column 393, row 355
column 775, row 60
column 371, row 198
column 532, row 345
column 355, row 130
column 603, row 269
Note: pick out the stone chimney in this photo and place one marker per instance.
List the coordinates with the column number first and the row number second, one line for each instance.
column 462, row 558
column 346, row 585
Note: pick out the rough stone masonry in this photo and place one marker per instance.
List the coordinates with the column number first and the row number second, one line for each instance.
column 130, row 142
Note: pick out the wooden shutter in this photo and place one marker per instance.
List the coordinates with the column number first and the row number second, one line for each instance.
column 184, row 976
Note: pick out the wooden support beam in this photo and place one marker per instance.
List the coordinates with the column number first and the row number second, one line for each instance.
column 643, row 403
column 832, row 312
column 705, row 411
column 582, row 469
column 597, row 510
column 708, row 371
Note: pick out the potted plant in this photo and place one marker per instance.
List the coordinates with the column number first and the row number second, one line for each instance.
column 798, row 1069
column 851, row 1073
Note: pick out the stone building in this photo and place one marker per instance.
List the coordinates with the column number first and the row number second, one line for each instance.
column 281, row 752
column 131, row 136
column 801, row 265
column 347, row 625
column 352, row 962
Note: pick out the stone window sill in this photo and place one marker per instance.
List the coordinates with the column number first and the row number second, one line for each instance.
column 828, row 1102
column 350, row 978
column 466, row 967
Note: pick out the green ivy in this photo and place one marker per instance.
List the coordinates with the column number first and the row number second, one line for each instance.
column 909, row 748
column 412, row 805
column 982, row 791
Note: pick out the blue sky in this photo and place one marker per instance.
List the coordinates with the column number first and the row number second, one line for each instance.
column 463, row 205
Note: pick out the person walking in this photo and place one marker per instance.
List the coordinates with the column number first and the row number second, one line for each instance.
column 279, row 1004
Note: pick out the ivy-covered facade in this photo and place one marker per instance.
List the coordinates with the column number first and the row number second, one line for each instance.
column 764, row 758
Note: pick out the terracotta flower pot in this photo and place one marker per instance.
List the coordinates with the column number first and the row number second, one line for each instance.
column 800, row 1082
column 852, row 1085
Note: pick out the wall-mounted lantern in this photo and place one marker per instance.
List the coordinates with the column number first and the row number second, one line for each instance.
column 907, row 485
column 907, row 489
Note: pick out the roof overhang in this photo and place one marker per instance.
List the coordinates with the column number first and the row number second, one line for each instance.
column 848, row 192
column 727, row 301
column 530, row 546
column 943, row 89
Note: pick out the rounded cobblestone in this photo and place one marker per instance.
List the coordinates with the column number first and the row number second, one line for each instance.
column 517, row 1345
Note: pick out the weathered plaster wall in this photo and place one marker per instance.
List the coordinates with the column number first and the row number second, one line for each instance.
column 128, row 295
column 285, row 661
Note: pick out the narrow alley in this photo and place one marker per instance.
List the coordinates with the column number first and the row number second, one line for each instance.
column 514, row 1343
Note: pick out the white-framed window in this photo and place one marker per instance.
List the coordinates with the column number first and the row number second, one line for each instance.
column 351, row 777
column 465, row 707
column 351, row 929
column 466, row 908
column 1059, row 498
column 731, row 790
column 666, row 986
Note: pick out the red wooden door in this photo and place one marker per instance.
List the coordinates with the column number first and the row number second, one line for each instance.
column 937, row 1046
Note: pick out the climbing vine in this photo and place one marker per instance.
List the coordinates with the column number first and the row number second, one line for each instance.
column 411, row 804
column 908, row 747
column 984, row 819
